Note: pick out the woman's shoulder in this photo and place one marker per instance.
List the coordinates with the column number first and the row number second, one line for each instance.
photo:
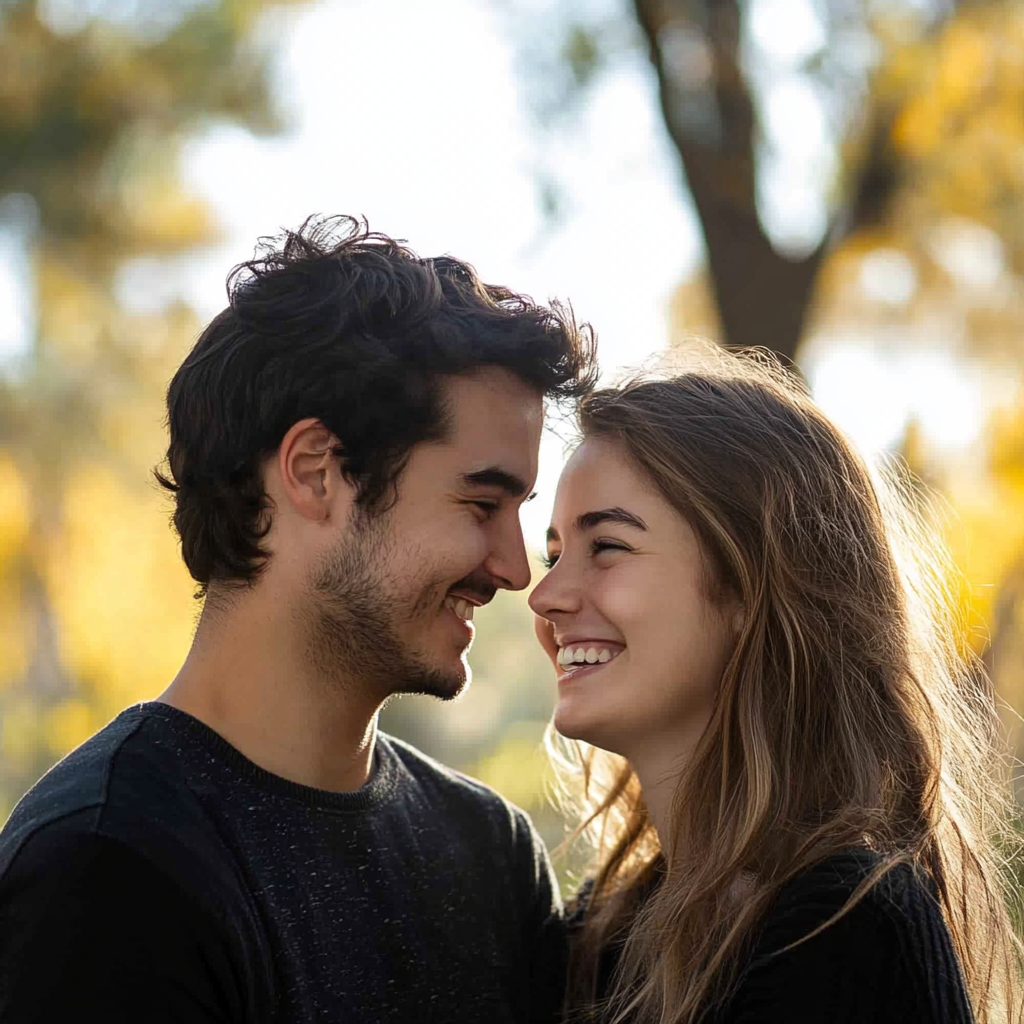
column 886, row 956
column 854, row 899
column 825, row 888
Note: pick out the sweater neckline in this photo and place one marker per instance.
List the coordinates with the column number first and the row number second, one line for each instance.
column 377, row 789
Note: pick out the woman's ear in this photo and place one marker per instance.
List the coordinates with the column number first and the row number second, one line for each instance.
column 309, row 470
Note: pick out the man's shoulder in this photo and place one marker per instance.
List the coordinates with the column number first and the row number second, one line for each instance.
column 76, row 787
column 112, row 859
column 454, row 788
column 464, row 814
column 122, row 784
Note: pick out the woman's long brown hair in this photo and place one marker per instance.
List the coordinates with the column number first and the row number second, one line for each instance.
column 850, row 714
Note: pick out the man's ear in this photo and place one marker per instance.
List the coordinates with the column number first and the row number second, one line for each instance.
column 307, row 463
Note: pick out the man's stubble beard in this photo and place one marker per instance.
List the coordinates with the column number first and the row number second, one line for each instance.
column 356, row 607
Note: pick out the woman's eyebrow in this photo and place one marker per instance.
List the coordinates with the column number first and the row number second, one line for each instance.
column 588, row 520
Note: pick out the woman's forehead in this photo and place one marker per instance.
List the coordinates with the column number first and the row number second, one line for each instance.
column 600, row 475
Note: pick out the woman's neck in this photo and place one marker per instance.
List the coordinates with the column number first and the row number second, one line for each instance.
column 659, row 763
column 659, row 779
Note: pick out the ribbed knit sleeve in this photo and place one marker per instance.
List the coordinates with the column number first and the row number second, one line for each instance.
column 889, row 960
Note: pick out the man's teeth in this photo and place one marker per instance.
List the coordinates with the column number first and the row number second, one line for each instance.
column 588, row 655
column 462, row 608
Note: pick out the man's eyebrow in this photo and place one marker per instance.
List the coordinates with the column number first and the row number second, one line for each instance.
column 588, row 520
column 514, row 486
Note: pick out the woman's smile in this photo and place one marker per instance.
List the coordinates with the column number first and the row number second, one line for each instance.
column 626, row 574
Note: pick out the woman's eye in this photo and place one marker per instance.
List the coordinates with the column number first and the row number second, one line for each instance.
column 548, row 561
column 598, row 546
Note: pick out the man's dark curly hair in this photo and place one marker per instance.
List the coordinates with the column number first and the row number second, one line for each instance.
column 346, row 325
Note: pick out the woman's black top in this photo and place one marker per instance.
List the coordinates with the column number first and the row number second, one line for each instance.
column 888, row 960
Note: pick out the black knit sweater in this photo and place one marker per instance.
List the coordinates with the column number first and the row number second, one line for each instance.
column 157, row 875
column 888, row 960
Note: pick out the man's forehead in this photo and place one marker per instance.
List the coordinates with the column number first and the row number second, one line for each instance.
column 493, row 393
column 494, row 427
column 494, row 448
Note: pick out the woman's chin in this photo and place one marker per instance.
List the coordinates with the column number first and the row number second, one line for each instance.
column 571, row 723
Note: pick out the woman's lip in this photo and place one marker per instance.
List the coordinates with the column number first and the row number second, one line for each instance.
column 614, row 648
column 583, row 669
column 591, row 641
column 578, row 667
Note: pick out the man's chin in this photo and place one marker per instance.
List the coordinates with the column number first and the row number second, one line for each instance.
column 443, row 683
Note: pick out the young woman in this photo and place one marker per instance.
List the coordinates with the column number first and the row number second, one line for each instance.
column 789, row 761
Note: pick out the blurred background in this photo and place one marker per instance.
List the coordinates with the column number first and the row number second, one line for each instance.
column 839, row 180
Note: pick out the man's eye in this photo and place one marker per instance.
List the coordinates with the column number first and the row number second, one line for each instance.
column 487, row 507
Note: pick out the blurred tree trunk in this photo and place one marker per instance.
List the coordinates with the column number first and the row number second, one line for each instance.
column 762, row 296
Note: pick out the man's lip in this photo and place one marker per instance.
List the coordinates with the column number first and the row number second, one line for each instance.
column 474, row 599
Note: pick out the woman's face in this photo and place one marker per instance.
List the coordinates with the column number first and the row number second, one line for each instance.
column 628, row 594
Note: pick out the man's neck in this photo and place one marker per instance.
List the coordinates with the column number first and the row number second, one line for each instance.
column 246, row 677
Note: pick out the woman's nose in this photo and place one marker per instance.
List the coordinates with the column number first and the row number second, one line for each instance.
column 555, row 594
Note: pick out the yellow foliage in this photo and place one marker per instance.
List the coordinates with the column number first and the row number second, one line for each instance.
column 15, row 510
column 986, row 537
column 121, row 593
column 518, row 767
column 987, row 540
column 23, row 67
column 19, row 731
column 964, row 67
column 918, row 128
column 69, row 724
column 16, row 633
column 1006, row 458
column 163, row 217
column 15, row 521
column 72, row 310
column 960, row 120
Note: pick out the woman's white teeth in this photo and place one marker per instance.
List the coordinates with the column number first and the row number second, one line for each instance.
column 581, row 655
column 462, row 608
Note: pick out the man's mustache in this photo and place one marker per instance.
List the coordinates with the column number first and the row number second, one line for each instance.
column 477, row 586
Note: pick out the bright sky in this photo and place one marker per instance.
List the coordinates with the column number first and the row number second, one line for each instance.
column 411, row 113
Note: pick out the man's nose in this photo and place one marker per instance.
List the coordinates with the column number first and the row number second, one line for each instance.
column 509, row 564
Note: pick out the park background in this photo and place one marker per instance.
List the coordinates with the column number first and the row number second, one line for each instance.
column 839, row 180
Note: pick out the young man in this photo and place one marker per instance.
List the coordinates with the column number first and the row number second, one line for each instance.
column 350, row 442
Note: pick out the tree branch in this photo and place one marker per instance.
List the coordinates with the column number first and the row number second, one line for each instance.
column 762, row 296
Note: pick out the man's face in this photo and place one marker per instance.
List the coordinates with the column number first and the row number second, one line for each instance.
column 393, row 598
